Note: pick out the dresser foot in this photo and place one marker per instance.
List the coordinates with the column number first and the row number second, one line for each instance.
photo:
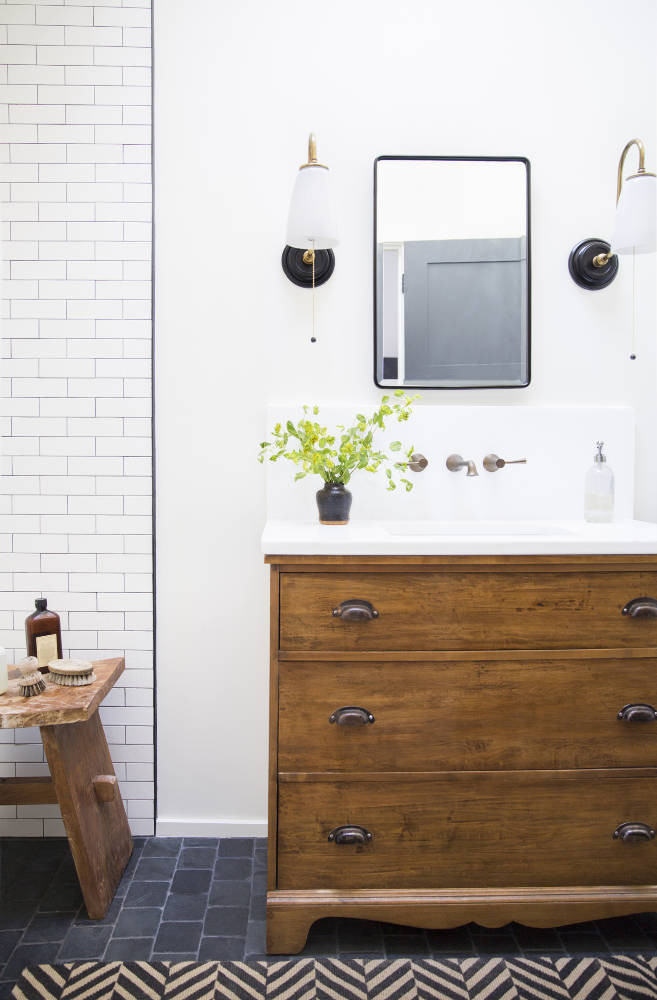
column 287, row 929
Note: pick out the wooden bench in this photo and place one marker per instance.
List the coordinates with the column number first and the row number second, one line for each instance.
column 82, row 780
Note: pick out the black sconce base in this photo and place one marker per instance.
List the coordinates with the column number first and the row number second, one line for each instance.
column 301, row 273
column 582, row 269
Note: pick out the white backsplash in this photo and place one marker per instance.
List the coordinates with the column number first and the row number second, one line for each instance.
column 558, row 443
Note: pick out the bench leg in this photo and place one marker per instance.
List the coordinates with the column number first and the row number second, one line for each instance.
column 97, row 830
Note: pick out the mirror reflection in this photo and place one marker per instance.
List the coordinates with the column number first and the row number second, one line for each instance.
column 452, row 305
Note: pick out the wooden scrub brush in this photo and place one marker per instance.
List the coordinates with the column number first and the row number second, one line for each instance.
column 30, row 682
column 71, row 673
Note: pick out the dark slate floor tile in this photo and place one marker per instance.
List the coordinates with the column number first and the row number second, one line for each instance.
column 586, row 927
column 256, row 937
column 406, row 944
column 622, row 933
column 178, row 936
column 221, row 949
column 197, row 857
column 322, row 937
column 495, row 944
column 146, row 894
column 48, row 927
column 226, row 921
column 61, row 898
column 185, row 906
column 30, row 954
column 543, row 939
column 397, row 929
column 8, row 941
column 236, row 847
column 229, row 893
column 191, row 880
column 138, row 922
column 15, row 915
column 154, row 869
column 454, row 941
column 30, row 886
column 137, row 949
column 109, row 918
column 258, row 907
column 201, row 842
column 646, row 921
column 162, row 847
column 85, row 942
column 233, row 868
column 356, row 936
column 173, row 956
column 582, row 944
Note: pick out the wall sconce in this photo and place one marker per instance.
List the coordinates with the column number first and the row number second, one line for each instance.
column 593, row 263
column 308, row 259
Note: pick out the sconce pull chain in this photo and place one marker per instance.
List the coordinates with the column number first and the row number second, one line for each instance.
column 634, row 305
column 313, row 339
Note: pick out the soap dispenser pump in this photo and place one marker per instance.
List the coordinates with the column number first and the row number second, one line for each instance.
column 599, row 489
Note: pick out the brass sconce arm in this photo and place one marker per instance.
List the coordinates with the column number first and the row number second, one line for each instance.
column 603, row 258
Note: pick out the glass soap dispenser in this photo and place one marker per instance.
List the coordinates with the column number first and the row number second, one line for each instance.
column 599, row 490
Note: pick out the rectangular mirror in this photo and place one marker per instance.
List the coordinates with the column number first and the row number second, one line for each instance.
column 452, row 272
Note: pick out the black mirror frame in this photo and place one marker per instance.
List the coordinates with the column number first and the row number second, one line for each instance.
column 494, row 159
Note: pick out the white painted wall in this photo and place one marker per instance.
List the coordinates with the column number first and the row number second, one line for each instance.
column 238, row 87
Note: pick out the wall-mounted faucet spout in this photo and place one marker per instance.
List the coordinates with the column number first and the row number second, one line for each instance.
column 456, row 462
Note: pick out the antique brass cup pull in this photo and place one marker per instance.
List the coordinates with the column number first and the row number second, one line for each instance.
column 350, row 835
column 350, row 715
column 637, row 713
column 633, row 832
column 641, row 607
column 355, row 610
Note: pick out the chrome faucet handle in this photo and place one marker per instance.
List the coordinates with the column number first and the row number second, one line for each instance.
column 456, row 462
column 493, row 462
column 418, row 463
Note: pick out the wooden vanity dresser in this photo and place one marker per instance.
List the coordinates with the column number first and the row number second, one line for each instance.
column 458, row 739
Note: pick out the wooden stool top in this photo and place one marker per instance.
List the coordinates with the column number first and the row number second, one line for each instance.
column 58, row 705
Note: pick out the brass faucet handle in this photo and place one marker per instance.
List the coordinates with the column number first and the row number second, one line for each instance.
column 493, row 462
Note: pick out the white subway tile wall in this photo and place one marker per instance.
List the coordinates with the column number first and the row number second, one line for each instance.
column 75, row 374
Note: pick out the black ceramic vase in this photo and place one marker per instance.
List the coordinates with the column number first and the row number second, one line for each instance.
column 334, row 503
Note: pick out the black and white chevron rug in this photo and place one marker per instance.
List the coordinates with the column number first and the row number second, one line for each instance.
column 583, row 978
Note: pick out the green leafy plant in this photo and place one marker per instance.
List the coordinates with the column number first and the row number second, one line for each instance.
column 335, row 457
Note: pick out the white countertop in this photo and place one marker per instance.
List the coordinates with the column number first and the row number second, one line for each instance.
column 456, row 538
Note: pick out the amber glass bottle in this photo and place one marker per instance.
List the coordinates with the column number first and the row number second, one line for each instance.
column 43, row 634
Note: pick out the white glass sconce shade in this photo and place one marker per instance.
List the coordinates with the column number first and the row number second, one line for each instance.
column 636, row 216
column 311, row 220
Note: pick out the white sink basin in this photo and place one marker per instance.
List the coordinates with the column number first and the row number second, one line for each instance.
column 478, row 528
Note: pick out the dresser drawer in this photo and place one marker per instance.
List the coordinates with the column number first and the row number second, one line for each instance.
column 465, row 715
column 542, row 828
column 512, row 609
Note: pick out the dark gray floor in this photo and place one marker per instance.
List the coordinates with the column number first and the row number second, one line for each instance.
column 205, row 899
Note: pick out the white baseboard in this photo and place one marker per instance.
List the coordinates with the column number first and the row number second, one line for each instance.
column 210, row 828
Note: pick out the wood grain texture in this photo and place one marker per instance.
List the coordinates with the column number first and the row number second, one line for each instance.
column 496, row 770
column 290, row 914
column 464, row 829
column 466, row 715
column 98, row 832
column 301, row 563
column 27, row 791
column 459, row 610
column 272, row 791
column 58, row 705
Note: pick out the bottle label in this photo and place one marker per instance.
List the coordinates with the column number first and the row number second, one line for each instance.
column 46, row 649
